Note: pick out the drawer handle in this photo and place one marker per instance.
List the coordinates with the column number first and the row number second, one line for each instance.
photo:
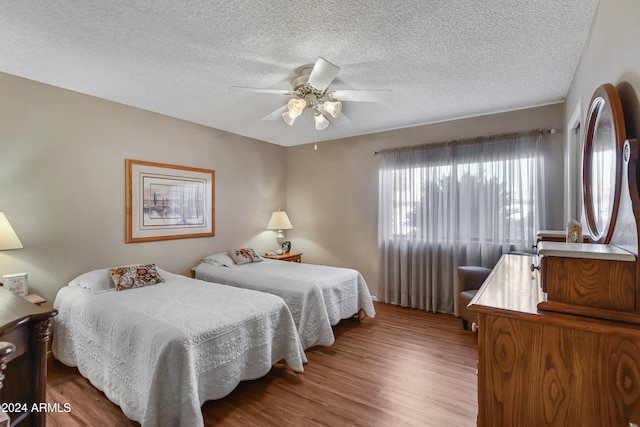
column 534, row 267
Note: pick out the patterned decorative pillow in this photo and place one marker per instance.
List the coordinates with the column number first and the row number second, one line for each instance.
column 244, row 256
column 135, row 276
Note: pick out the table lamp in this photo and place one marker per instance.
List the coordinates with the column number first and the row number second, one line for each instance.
column 9, row 241
column 8, row 238
column 279, row 221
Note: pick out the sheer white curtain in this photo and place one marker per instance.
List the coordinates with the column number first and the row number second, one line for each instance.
column 458, row 203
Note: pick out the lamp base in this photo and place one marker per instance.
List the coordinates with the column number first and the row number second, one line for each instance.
column 280, row 240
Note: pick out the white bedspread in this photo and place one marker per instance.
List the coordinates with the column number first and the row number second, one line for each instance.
column 161, row 351
column 304, row 299
column 343, row 292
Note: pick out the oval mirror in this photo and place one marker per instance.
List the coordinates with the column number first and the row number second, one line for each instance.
column 602, row 162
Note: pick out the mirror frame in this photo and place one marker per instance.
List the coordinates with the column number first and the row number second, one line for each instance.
column 605, row 93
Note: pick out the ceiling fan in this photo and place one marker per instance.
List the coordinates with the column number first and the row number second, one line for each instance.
column 310, row 90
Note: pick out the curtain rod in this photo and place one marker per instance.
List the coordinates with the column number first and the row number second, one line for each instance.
column 473, row 140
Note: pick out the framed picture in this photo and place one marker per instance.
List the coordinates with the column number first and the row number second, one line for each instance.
column 168, row 202
column 286, row 247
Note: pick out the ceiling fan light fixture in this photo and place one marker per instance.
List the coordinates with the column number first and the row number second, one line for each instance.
column 290, row 117
column 296, row 105
column 321, row 121
column 333, row 108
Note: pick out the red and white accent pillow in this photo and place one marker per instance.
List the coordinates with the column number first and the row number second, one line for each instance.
column 244, row 256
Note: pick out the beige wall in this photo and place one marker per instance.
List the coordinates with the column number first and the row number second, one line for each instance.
column 611, row 55
column 62, row 181
column 332, row 192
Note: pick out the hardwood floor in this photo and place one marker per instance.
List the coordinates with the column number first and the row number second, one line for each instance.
column 405, row 367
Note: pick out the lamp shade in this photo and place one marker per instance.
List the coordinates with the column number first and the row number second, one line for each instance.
column 279, row 221
column 8, row 238
column 290, row 117
column 321, row 121
column 332, row 107
column 296, row 105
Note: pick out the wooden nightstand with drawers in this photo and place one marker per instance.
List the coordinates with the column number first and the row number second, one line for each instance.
column 27, row 327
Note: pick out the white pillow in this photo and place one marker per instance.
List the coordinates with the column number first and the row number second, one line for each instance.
column 97, row 280
column 100, row 280
column 164, row 273
column 221, row 259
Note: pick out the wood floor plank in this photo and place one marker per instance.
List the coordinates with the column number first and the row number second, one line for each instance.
column 405, row 367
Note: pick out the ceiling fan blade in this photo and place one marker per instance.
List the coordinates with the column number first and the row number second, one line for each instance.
column 276, row 114
column 362, row 95
column 323, row 74
column 261, row 90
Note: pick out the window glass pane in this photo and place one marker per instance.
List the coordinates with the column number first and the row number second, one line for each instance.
column 494, row 199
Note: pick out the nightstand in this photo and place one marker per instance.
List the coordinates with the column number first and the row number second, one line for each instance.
column 27, row 326
column 286, row 257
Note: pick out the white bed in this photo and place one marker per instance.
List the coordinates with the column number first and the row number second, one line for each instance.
column 318, row 296
column 161, row 351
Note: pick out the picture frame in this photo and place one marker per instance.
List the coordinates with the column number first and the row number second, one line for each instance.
column 286, row 247
column 166, row 201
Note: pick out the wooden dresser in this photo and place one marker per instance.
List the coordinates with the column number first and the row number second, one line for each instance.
column 26, row 326
column 559, row 333
column 541, row 368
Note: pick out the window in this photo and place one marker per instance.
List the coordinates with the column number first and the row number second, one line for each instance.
column 456, row 204
column 479, row 186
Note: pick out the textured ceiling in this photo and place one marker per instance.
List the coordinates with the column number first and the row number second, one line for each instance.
column 442, row 59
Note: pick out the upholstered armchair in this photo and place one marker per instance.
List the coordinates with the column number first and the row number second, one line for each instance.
column 470, row 278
